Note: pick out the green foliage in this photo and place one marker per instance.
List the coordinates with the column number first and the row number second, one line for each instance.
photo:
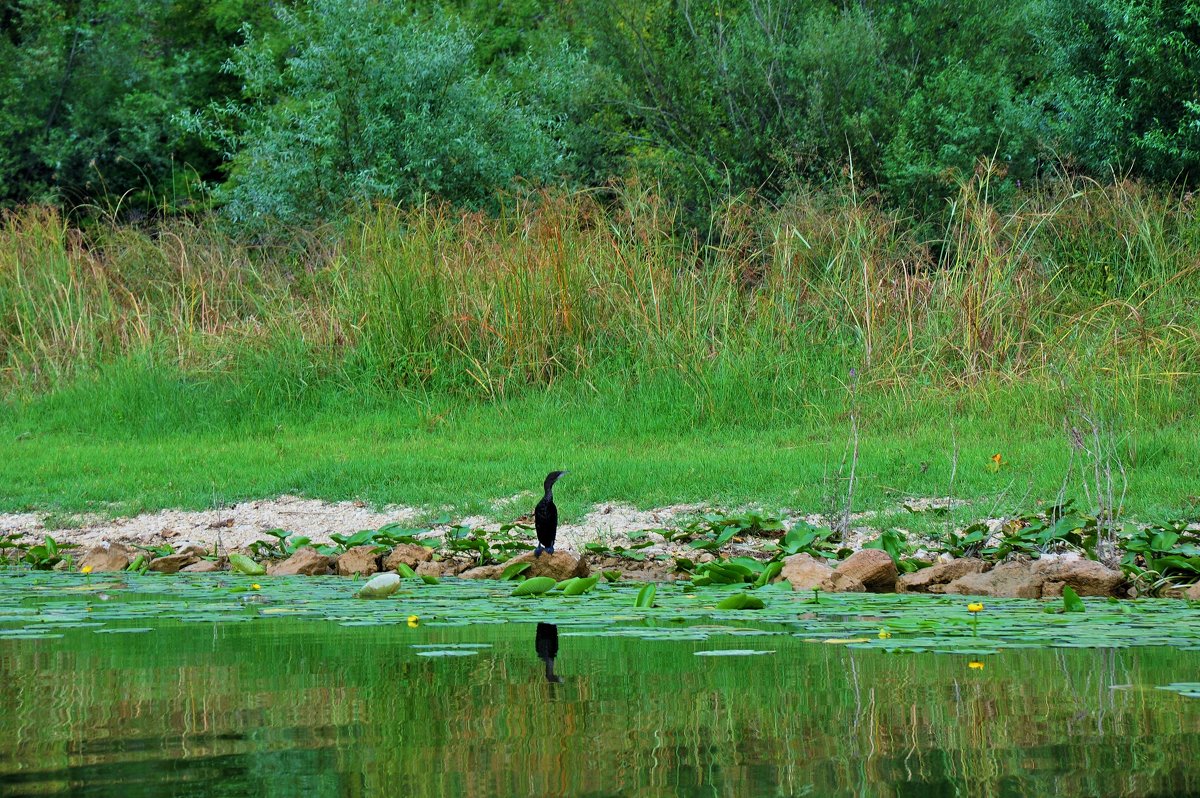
column 368, row 103
column 1162, row 554
column 1122, row 82
column 1071, row 600
column 740, row 601
column 645, row 596
column 89, row 91
column 242, row 564
column 535, row 586
column 896, row 544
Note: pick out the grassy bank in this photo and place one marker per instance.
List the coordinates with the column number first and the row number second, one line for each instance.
column 435, row 357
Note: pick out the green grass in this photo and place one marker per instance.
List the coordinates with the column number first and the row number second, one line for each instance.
column 439, row 358
column 75, row 451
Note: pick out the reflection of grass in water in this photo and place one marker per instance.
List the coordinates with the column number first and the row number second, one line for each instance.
column 633, row 715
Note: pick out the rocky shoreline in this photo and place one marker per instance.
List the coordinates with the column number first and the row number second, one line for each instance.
column 865, row 571
column 666, row 544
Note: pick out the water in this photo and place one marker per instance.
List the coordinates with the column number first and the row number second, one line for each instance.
column 228, row 697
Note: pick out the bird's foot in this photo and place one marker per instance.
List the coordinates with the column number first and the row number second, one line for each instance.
column 538, row 551
column 549, row 549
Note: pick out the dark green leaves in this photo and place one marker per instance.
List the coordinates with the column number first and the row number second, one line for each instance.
column 645, row 596
column 1071, row 600
column 534, row 586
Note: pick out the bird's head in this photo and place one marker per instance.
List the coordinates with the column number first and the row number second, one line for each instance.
column 551, row 478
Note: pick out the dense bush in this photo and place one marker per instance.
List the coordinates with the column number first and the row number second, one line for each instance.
column 369, row 102
column 308, row 106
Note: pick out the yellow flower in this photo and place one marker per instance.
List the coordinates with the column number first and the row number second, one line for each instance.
column 413, row 621
column 884, row 634
column 256, row 586
column 975, row 607
column 87, row 569
column 975, row 665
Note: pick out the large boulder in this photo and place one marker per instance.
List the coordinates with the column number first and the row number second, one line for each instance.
column 429, row 568
column 202, row 567
column 1009, row 579
column 305, row 561
column 842, row 583
column 1086, row 577
column 408, row 553
column 107, row 557
column 935, row 578
column 872, row 570
column 560, row 565
column 1193, row 593
column 483, row 572
column 173, row 563
column 360, row 560
column 1042, row 578
column 804, row 571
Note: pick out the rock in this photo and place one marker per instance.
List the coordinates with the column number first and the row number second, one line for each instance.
column 1193, row 593
column 805, row 572
column 559, row 566
column 429, row 568
column 1086, row 577
column 874, row 569
column 107, row 557
column 935, row 578
column 408, row 553
column 1009, row 579
column 192, row 547
column 172, row 563
column 202, row 567
column 358, row 560
column 380, row 586
column 483, row 572
column 842, row 583
column 1042, row 578
column 304, row 562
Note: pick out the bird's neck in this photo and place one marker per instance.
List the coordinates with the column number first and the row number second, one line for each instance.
column 549, row 495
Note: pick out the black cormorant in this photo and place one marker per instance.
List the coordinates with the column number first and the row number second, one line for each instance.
column 545, row 642
column 545, row 516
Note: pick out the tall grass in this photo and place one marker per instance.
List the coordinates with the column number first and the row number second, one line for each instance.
column 1071, row 284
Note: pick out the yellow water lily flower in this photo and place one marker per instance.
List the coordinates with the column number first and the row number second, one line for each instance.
column 256, row 586
column 975, row 665
column 87, row 569
column 884, row 634
column 975, row 607
column 413, row 622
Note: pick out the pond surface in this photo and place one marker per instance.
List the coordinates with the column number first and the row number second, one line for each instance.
column 204, row 686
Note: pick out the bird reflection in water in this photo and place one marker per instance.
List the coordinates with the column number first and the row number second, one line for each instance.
column 545, row 642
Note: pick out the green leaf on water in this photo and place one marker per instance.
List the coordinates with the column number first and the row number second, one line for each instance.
column 770, row 572
column 645, row 596
column 534, row 586
column 612, row 576
column 405, row 571
column 244, row 565
column 1071, row 600
column 740, row 601
column 580, row 585
column 429, row 579
column 515, row 570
